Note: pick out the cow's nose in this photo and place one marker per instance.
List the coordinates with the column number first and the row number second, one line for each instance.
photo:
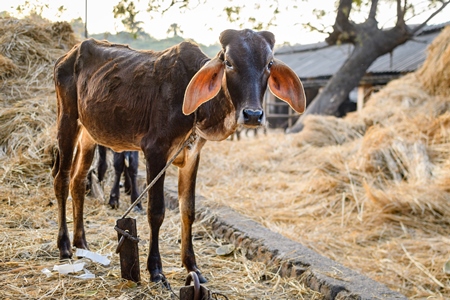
column 253, row 117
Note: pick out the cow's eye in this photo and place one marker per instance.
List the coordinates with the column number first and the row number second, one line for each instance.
column 228, row 64
column 270, row 64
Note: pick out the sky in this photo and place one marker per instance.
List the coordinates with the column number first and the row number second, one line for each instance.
column 203, row 23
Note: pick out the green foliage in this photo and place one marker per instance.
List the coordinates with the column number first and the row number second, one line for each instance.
column 32, row 7
column 61, row 10
column 77, row 26
column 233, row 13
column 357, row 2
column 319, row 13
column 127, row 11
column 174, row 29
column 161, row 6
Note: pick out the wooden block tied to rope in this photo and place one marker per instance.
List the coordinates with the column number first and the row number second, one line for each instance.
column 196, row 291
column 128, row 249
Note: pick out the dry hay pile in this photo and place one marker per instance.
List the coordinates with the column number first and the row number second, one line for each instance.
column 28, row 50
column 28, row 212
column 370, row 190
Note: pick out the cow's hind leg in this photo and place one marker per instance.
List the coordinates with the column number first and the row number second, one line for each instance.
column 82, row 162
column 68, row 130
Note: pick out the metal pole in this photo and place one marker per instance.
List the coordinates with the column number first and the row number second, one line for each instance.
column 85, row 20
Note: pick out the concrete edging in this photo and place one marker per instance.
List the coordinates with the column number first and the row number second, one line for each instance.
column 319, row 273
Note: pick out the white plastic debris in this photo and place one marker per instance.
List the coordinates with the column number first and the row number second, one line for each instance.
column 86, row 275
column 95, row 257
column 68, row 268
column 225, row 249
column 447, row 267
column 47, row 272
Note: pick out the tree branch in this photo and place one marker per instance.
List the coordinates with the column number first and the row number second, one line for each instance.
column 343, row 29
column 400, row 13
column 311, row 27
column 182, row 3
column 343, row 13
column 373, row 9
column 416, row 29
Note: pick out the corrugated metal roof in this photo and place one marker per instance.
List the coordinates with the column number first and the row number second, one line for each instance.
column 320, row 60
column 405, row 58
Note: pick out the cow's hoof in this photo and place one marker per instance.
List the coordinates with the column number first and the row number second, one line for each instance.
column 160, row 278
column 65, row 254
column 65, row 251
column 81, row 244
column 138, row 208
column 114, row 205
column 113, row 202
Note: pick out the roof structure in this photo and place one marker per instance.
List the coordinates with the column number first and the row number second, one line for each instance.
column 316, row 63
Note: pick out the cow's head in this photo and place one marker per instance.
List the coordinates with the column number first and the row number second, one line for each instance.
column 242, row 70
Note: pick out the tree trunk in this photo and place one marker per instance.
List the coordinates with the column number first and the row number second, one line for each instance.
column 371, row 44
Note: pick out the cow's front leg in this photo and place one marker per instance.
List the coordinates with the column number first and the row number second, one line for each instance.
column 186, row 194
column 156, row 161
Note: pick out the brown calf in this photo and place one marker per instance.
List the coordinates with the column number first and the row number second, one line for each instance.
column 143, row 100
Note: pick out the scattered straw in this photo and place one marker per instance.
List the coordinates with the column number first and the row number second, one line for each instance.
column 28, row 245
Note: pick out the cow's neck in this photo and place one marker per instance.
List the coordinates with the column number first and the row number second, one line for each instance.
column 216, row 118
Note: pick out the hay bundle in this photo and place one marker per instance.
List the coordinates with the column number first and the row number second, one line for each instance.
column 393, row 158
column 62, row 33
column 435, row 72
column 27, row 136
column 28, row 49
column 400, row 99
column 324, row 131
column 31, row 45
column 7, row 67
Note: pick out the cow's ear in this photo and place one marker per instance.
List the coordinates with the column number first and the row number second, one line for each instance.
column 204, row 86
column 285, row 84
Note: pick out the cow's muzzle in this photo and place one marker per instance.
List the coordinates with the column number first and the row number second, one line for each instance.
column 253, row 117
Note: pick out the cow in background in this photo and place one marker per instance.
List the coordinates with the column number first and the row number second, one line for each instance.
column 126, row 163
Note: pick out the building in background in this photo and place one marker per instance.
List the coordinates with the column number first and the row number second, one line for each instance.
column 316, row 63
